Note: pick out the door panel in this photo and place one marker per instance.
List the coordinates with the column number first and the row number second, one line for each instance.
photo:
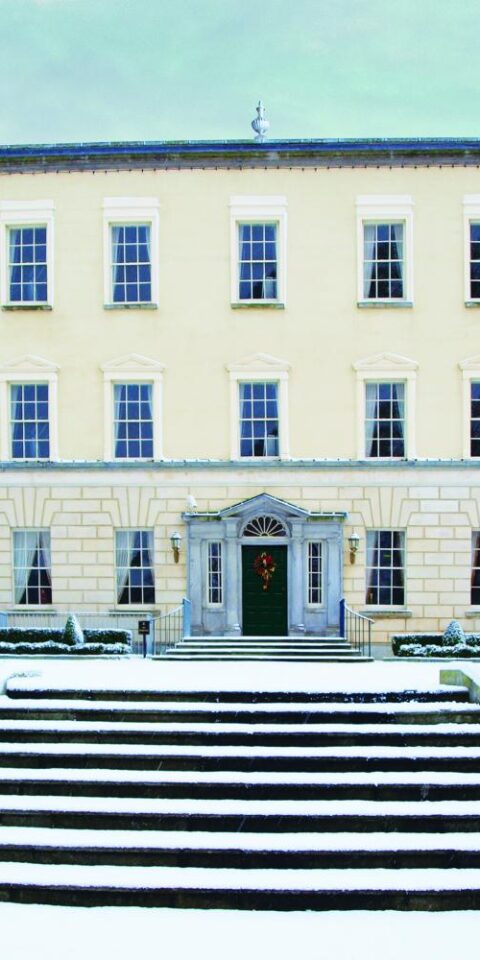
column 265, row 611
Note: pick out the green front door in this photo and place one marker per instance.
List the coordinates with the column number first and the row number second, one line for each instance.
column 264, row 598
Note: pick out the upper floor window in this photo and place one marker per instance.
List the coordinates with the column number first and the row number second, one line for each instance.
column 257, row 255
column 134, row 566
column 32, row 567
column 259, row 407
column 133, row 420
column 475, row 418
column 131, row 263
column 259, row 420
column 386, row 388
column 133, row 408
column 131, row 251
column 27, row 264
column 258, row 238
column 474, row 261
column 26, row 240
column 385, row 568
column 385, row 419
column 385, row 241
column 30, row 427
column 383, row 261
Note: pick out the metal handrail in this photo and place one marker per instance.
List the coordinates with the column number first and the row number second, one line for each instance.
column 356, row 628
column 170, row 628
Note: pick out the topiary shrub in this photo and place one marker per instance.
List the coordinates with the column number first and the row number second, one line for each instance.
column 73, row 633
column 453, row 634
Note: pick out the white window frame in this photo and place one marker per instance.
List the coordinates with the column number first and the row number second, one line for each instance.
column 30, row 605
column 251, row 210
column 260, row 368
column 387, row 606
column 209, row 603
column 136, row 603
column 132, row 369
column 27, row 369
column 387, row 368
column 323, row 552
column 128, row 211
column 470, row 374
column 471, row 214
column 26, row 213
column 391, row 210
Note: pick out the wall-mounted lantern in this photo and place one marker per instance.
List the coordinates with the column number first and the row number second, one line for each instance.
column 176, row 540
column 353, row 543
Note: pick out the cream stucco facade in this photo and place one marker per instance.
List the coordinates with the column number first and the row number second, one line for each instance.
column 194, row 342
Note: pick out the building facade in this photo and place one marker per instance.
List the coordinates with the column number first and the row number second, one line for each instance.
column 265, row 348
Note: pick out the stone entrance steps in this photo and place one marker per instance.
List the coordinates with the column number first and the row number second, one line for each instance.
column 263, row 648
column 240, row 800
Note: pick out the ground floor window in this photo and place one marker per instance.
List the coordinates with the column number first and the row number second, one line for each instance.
column 315, row 574
column 385, row 568
column 134, row 565
column 475, row 578
column 32, row 567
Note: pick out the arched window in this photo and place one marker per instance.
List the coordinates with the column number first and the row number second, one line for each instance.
column 264, row 527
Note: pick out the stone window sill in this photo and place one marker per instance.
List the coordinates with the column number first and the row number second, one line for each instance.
column 26, row 306
column 472, row 613
column 384, row 304
column 472, row 303
column 387, row 613
column 258, row 305
column 130, row 306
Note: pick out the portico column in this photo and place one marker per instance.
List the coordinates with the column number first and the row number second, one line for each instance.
column 195, row 584
column 296, row 579
column 232, row 580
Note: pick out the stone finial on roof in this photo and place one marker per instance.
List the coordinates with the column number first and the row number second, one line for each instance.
column 260, row 124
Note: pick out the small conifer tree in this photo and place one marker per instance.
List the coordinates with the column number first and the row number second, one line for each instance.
column 73, row 633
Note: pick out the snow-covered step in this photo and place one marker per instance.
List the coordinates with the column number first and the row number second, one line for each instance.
column 241, row 785
column 35, row 687
column 260, row 889
column 250, row 815
column 238, row 758
column 239, row 712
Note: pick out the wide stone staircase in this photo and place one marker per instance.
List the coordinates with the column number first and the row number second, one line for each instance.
column 266, row 648
column 240, row 800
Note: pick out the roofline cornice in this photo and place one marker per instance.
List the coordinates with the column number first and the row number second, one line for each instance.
column 202, row 154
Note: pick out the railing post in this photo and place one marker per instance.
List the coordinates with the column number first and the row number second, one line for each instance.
column 187, row 617
column 342, row 618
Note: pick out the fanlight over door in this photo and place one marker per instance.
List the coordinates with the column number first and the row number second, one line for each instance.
column 264, row 527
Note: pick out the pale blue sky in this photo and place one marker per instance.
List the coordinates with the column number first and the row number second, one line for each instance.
column 194, row 69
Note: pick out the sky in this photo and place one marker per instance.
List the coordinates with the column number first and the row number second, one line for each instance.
column 87, row 70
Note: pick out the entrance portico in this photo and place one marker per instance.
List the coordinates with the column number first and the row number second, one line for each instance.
column 229, row 551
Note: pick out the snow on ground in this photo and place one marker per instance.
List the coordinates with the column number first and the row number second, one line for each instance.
column 57, row 933
column 135, row 674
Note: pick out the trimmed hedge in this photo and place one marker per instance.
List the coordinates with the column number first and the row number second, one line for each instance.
column 41, row 641
column 108, row 636
column 457, row 652
column 434, row 645
column 31, row 635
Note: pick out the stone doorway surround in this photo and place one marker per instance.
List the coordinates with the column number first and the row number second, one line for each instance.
column 227, row 527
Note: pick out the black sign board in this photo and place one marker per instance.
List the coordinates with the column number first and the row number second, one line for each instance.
column 144, row 627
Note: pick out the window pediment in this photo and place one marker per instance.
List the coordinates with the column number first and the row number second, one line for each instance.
column 385, row 362
column 29, row 362
column 259, row 363
column 132, row 362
